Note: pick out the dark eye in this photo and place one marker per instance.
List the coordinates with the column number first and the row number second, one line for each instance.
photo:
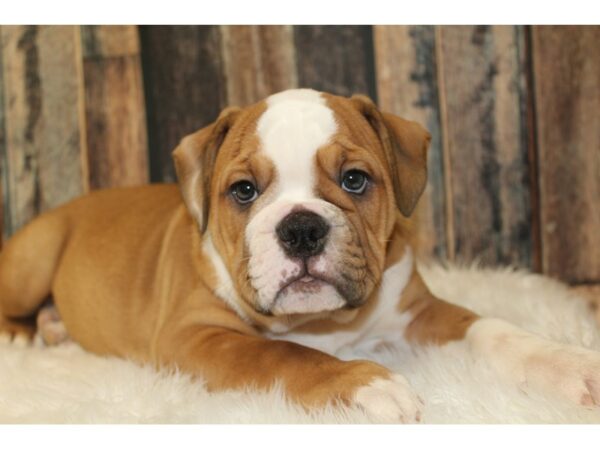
column 355, row 181
column 244, row 191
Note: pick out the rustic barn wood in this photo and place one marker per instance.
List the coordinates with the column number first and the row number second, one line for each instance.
column 482, row 83
column 336, row 59
column 114, row 106
column 3, row 167
column 258, row 60
column 184, row 86
column 567, row 92
column 532, row 147
column 45, row 136
column 405, row 65
column 110, row 40
column 514, row 112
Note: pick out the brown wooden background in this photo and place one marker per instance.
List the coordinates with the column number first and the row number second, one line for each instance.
column 514, row 112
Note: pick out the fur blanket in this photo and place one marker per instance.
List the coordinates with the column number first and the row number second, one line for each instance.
column 66, row 384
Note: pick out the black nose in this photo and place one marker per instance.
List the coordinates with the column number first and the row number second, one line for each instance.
column 302, row 234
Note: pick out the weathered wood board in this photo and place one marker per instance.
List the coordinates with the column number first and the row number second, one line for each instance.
column 567, row 93
column 482, row 91
column 3, row 155
column 336, row 59
column 258, row 61
column 43, row 112
column 184, row 86
column 117, row 140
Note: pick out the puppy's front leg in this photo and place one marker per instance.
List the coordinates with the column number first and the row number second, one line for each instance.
column 530, row 361
column 228, row 359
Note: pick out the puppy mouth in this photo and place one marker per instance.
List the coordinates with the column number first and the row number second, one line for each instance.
column 307, row 293
column 305, row 283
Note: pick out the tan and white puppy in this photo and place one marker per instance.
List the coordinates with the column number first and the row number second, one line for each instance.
column 288, row 243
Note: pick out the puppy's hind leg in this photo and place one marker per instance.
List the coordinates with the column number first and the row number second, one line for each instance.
column 50, row 327
column 28, row 262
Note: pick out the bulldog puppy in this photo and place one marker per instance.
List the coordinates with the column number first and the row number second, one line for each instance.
column 287, row 243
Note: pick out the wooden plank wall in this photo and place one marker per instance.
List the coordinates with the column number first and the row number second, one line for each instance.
column 481, row 72
column 183, row 81
column 114, row 106
column 325, row 65
column 566, row 67
column 44, row 146
column 3, row 168
column 514, row 163
column 258, row 61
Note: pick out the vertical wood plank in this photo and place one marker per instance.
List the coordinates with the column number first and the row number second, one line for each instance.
column 407, row 86
column 534, row 189
column 258, row 61
column 2, row 149
column 184, row 87
column 567, row 92
column 114, row 106
column 45, row 137
column 483, row 81
column 336, row 59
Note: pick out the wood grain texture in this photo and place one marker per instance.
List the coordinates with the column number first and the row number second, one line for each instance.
column 3, row 167
column 258, row 61
column 567, row 92
column 184, row 86
column 110, row 40
column 336, row 59
column 534, row 188
column 45, row 137
column 117, row 140
column 405, row 65
column 483, row 82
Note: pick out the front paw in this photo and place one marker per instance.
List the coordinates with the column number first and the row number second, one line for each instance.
column 390, row 400
column 50, row 326
column 537, row 364
column 572, row 372
column 383, row 395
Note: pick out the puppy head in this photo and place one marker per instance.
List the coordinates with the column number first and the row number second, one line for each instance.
column 298, row 195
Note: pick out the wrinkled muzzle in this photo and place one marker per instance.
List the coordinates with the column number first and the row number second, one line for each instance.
column 304, row 258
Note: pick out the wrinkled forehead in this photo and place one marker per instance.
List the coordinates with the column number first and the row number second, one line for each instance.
column 294, row 126
column 283, row 135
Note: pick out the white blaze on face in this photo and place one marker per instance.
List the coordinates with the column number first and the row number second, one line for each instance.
column 294, row 126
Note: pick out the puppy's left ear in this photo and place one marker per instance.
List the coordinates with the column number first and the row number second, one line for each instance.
column 195, row 158
column 405, row 144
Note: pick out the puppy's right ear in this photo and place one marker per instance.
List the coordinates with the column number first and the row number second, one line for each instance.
column 405, row 144
column 194, row 161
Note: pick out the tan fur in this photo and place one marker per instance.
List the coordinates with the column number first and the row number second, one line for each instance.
column 434, row 321
column 129, row 278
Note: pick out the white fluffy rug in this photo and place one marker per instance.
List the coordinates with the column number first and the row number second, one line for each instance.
column 66, row 384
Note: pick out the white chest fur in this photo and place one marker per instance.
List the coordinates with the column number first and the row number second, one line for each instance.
column 384, row 324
